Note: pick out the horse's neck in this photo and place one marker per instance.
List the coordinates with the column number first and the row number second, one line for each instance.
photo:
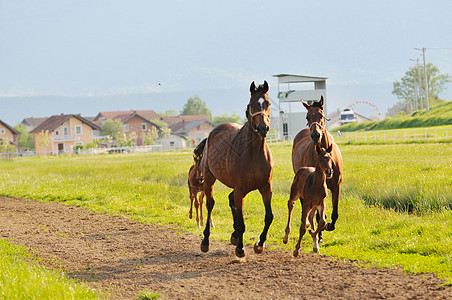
column 250, row 141
column 319, row 175
column 326, row 141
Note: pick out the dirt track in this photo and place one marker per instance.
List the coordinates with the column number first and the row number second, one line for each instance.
column 125, row 257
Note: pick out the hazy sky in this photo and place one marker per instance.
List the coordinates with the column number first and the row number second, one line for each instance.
column 93, row 47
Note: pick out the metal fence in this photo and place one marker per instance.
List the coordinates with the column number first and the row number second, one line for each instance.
column 393, row 136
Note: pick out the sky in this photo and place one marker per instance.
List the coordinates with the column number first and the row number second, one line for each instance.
column 86, row 56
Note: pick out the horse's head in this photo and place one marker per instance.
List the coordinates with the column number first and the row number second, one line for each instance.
column 316, row 119
column 325, row 160
column 198, row 174
column 258, row 110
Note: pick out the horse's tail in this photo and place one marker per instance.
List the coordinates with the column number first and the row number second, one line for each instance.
column 200, row 148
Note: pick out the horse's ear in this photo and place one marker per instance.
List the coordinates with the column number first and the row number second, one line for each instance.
column 305, row 104
column 330, row 148
column 321, row 101
column 252, row 87
column 317, row 148
column 265, row 86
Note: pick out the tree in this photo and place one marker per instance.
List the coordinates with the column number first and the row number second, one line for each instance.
column 115, row 129
column 225, row 118
column 195, row 106
column 148, row 137
column 411, row 86
column 25, row 140
column 44, row 139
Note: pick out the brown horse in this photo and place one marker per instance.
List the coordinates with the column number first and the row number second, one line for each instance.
column 241, row 159
column 304, row 154
column 195, row 186
column 309, row 185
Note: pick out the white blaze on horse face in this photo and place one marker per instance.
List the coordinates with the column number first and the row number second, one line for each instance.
column 261, row 102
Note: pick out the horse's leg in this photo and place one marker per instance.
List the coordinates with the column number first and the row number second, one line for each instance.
column 201, row 201
column 196, row 207
column 304, row 216
column 209, row 180
column 335, row 193
column 234, row 235
column 320, row 227
column 240, row 222
column 190, row 213
column 266, row 193
column 311, row 219
column 317, row 217
column 293, row 196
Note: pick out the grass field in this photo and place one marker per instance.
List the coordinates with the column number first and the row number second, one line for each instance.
column 382, row 185
column 21, row 277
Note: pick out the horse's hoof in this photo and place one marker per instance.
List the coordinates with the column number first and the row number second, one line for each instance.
column 295, row 253
column 285, row 239
column 258, row 248
column 330, row 227
column 239, row 252
column 234, row 240
column 316, row 250
column 204, row 248
column 190, row 216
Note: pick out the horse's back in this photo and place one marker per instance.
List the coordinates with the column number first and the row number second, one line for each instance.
column 301, row 152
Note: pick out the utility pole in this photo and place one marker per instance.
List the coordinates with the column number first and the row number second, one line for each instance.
column 426, row 82
column 425, row 79
column 419, row 82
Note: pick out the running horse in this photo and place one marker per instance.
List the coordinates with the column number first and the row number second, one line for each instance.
column 195, row 185
column 304, row 153
column 240, row 158
column 309, row 185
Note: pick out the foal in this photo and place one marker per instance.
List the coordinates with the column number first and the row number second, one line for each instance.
column 195, row 185
column 310, row 186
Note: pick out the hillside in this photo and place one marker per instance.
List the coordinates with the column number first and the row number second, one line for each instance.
column 438, row 115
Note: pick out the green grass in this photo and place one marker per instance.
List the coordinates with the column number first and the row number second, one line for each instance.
column 21, row 277
column 381, row 184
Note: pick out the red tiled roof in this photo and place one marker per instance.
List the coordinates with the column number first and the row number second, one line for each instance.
column 148, row 114
column 54, row 121
column 187, row 118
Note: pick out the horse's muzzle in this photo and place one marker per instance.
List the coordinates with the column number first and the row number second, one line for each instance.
column 263, row 130
column 315, row 136
column 329, row 173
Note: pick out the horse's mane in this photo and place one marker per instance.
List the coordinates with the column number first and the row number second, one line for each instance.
column 200, row 148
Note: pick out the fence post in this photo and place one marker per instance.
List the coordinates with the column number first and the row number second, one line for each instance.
column 405, row 135
column 414, row 134
column 356, row 140
column 384, row 136
column 365, row 136
column 394, row 137
column 425, row 134
column 436, row 138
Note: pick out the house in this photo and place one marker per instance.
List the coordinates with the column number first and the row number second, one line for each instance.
column 31, row 123
column 172, row 142
column 197, row 129
column 8, row 134
column 65, row 132
column 136, row 122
